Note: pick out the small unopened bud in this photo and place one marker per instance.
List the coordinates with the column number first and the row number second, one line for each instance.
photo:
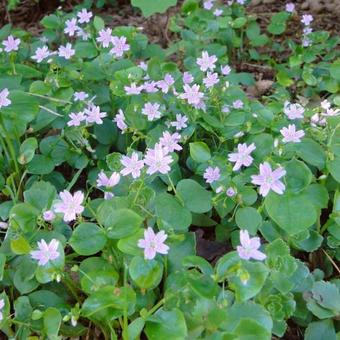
column 48, row 215
column 231, row 192
column 3, row 225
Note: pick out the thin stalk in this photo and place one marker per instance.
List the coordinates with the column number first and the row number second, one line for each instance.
column 57, row 100
column 50, row 111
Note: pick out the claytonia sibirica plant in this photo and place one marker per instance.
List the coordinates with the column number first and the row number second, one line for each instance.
column 149, row 192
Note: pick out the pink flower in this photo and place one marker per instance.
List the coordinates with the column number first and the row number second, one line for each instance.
column 290, row 7
column 242, row 156
column 133, row 89
column 208, row 4
column 48, row 215
column 153, row 243
column 2, row 305
column 108, row 195
column 212, row 174
column 238, row 104
column 71, row 27
column 165, row 84
column 291, row 135
column 66, row 51
column 70, row 205
column 170, row 141
column 187, row 78
column 218, row 12
column 76, row 119
column 158, row 160
column 206, row 62
column 132, row 165
column 4, row 101
column 84, row 16
column 82, row 34
column 210, row 80
column 226, row 69
column 108, row 182
column 307, row 19
column 180, row 122
column 93, row 114
column 119, row 46
column 80, row 96
column 41, row 53
column 192, row 94
column 105, row 37
column 151, row 111
column 293, row 111
column 269, row 180
column 46, row 252
column 120, row 120
column 150, row 87
column 249, row 247
column 11, row 44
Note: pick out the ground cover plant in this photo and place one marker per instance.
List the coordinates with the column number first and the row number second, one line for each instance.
column 169, row 193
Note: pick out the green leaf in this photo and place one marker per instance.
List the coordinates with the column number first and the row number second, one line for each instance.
column 97, row 273
column 27, row 150
column 23, row 309
column 172, row 213
column 166, row 325
column 298, row 175
column 247, row 311
column 146, row 274
column 334, row 70
column 135, row 328
column 109, row 303
column 334, row 168
column 52, row 322
column 292, row 212
column 40, row 165
column 249, row 219
column 249, row 280
column 40, row 195
column 194, row 196
column 320, row 330
column 2, row 265
column 311, row 152
column 23, row 216
column 119, row 223
column 88, row 239
column 199, row 152
column 278, row 23
column 148, row 8
column 98, row 23
column 20, row 246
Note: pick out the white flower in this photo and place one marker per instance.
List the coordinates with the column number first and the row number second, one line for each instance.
column 4, row 101
column 108, row 182
column 46, row 252
column 84, row 16
column 158, row 160
column 71, row 27
column 170, row 141
column 70, row 205
column 66, row 51
column 291, row 135
column 41, row 53
column 242, row 156
column 132, row 165
column 153, row 243
column 293, row 111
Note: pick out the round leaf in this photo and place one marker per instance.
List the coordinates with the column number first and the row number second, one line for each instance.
column 88, row 239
